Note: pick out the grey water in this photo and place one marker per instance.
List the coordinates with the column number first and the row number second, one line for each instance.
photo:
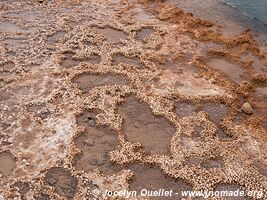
column 231, row 16
column 256, row 9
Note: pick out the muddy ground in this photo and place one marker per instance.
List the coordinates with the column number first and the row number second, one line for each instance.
column 125, row 95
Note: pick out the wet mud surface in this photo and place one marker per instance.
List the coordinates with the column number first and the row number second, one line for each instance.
column 125, row 95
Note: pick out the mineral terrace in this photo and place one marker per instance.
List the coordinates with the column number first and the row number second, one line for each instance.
column 123, row 95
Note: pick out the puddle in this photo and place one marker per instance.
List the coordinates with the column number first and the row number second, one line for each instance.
column 144, row 33
column 240, row 118
column 111, row 34
column 261, row 167
column 25, row 123
column 131, row 61
column 7, row 163
column 261, row 99
column 152, row 178
column 185, row 109
column 216, row 112
column 23, row 187
column 26, row 138
column 222, row 134
column 86, row 82
column 68, row 61
column 95, row 143
column 10, row 27
column 7, row 74
column 7, row 66
column 261, row 92
column 32, row 30
column 56, row 36
column 257, row 64
column 13, row 42
column 213, row 163
column 11, row 53
column 64, row 183
column 4, row 125
column 27, row 16
column 198, row 131
column 140, row 125
column 231, row 70
column 94, row 59
column 88, row 43
column 30, row 17
column 74, row 22
column 230, row 188
column 41, row 196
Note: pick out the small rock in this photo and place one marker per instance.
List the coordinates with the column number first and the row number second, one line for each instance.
column 91, row 122
column 51, row 180
column 89, row 142
column 259, row 78
column 137, row 125
column 1, row 175
column 247, row 108
column 101, row 159
column 9, row 140
column 43, row 114
column 212, row 81
column 93, row 161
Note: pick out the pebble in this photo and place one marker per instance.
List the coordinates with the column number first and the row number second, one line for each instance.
column 89, row 142
column 51, row 180
column 9, row 140
column 212, row 81
column 93, row 161
column 91, row 122
column 247, row 108
column 101, row 159
column 137, row 125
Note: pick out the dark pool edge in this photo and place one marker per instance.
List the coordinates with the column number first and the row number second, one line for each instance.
column 245, row 13
column 253, row 23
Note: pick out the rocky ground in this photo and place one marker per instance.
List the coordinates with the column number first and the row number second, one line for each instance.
column 116, row 95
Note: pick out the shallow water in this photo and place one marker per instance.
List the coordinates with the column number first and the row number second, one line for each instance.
column 56, row 36
column 117, row 59
column 10, row 27
column 62, row 180
column 111, row 35
column 256, row 8
column 140, row 125
column 233, row 71
column 7, row 163
column 185, row 109
column 68, row 61
column 95, row 144
column 144, row 33
column 86, row 82
column 234, row 21
column 152, row 178
column 97, row 45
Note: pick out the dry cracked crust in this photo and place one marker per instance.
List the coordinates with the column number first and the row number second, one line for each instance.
column 112, row 95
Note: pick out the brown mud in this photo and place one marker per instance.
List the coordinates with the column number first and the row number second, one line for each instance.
column 125, row 95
